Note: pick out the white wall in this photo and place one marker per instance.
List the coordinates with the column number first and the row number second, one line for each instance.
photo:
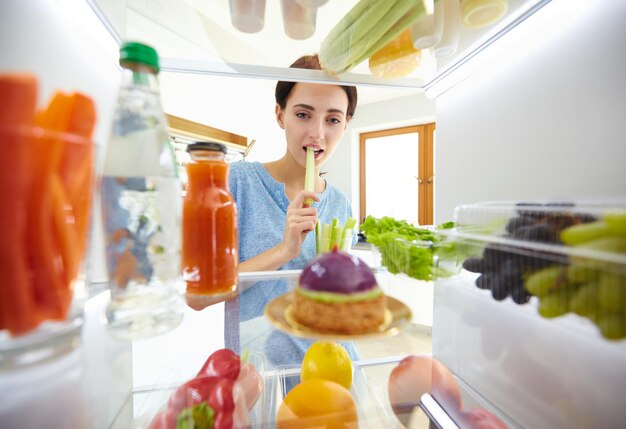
column 547, row 122
column 238, row 105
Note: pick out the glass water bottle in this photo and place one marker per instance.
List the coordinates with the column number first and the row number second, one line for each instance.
column 141, row 205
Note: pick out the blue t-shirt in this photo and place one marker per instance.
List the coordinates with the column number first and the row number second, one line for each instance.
column 262, row 212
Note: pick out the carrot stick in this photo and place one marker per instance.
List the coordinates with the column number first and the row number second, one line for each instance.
column 64, row 229
column 76, row 167
column 82, row 117
column 18, row 96
column 51, row 290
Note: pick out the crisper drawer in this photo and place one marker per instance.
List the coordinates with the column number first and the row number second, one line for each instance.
column 536, row 319
column 369, row 390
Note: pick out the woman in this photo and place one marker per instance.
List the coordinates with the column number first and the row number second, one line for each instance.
column 275, row 226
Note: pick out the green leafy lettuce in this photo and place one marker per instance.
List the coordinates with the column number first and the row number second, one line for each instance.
column 405, row 248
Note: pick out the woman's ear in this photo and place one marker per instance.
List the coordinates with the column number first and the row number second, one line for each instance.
column 279, row 116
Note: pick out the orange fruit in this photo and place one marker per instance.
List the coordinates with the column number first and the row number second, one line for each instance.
column 317, row 404
column 329, row 361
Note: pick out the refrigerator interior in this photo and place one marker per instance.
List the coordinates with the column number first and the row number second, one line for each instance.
column 546, row 123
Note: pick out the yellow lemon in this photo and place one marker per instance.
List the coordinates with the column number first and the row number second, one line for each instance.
column 317, row 404
column 327, row 360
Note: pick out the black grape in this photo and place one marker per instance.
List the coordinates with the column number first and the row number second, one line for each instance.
column 485, row 281
column 475, row 265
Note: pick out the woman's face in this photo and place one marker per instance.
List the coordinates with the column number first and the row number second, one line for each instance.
column 314, row 116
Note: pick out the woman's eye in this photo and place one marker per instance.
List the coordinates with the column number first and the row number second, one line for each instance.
column 302, row 115
column 334, row 120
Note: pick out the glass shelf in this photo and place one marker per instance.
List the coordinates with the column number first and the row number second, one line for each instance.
column 199, row 37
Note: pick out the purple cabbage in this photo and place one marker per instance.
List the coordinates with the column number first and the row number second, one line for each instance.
column 338, row 272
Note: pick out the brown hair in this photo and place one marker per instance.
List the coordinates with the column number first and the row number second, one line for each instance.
column 312, row 62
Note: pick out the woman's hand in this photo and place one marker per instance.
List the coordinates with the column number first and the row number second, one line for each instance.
column 300, row 221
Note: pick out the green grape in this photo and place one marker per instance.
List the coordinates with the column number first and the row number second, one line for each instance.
column 556, row 303
column 616, row 222
column 606, row 244
column 581, row 274
column 612, row 291
column 543, row 281
column 584, row 300
column 612, row 325
column 583, row 232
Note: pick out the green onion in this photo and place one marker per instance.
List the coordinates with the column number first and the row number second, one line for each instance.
column 309, row 175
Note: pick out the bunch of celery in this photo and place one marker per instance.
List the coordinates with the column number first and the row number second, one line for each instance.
column 329, row 235
column 365, row 29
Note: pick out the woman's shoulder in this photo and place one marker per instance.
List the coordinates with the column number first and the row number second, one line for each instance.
column 242, row 170
column 242, row 166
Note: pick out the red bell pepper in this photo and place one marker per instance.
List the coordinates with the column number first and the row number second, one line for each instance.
column 222, row 363
column 226, row 363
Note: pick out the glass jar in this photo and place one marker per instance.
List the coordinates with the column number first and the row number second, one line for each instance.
column 210, row 253
column 46, row 184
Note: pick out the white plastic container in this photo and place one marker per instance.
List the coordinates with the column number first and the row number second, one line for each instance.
column 299, row 19
column 447, row 22
column 247, row 15
column 423, row 31
column 481, row 13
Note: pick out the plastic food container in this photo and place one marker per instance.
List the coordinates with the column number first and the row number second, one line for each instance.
column 480, row 13
column 446, row 23
column 288, row 377
column 148, row 403
column 420, row 260
column 247, row 15
column 299, row 19
column 539, row 309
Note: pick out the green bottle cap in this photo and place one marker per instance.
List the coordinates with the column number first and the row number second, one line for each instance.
column 139, row 53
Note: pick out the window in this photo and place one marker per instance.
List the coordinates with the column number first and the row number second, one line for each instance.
column 397, row 174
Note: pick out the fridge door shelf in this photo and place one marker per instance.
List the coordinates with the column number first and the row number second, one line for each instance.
column 538, row 310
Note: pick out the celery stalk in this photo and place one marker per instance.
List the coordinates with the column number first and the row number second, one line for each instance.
column 350, row 223
column 403, row 23
column 309, row 175
column 333, row 233
column 391, row 25
column 326, row 235
column 318, row 237
column 335, row 51
column 358, row 35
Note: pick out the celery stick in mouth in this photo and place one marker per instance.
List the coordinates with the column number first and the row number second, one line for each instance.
column 309, row 175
